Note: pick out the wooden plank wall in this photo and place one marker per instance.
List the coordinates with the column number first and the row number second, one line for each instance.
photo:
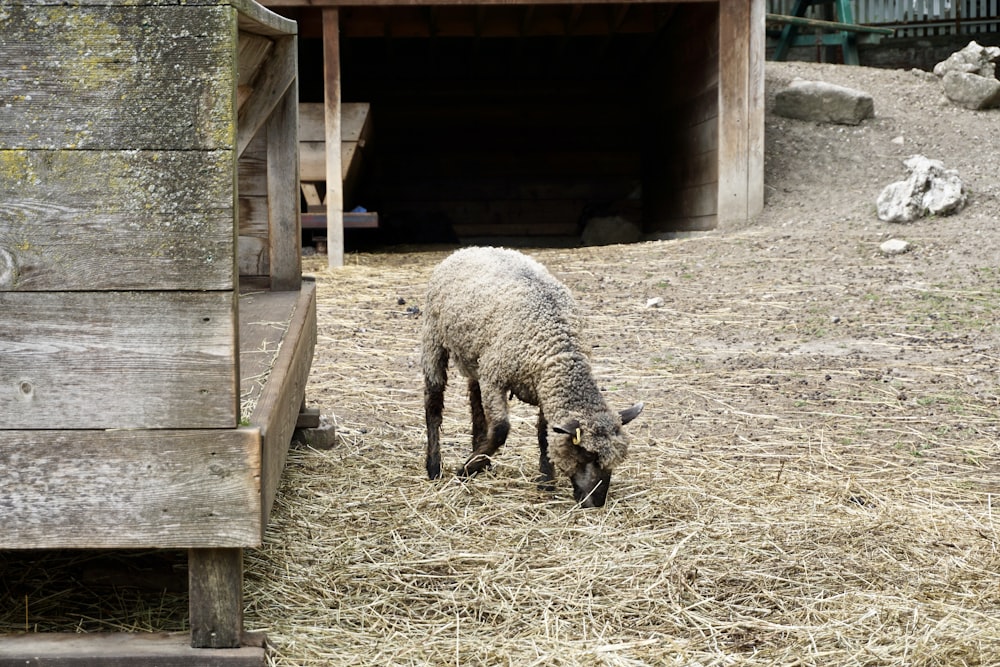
column 116, row 217
column 119, row 398
column 680, row 167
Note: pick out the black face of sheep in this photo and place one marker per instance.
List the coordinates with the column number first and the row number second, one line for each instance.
column 588, row 456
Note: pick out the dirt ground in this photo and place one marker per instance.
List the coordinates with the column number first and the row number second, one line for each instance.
column 812, row 480
column 802, row 289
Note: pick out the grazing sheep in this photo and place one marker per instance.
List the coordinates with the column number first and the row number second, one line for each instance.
column 512, row 330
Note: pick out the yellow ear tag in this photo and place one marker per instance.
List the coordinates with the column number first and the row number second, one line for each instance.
column 577, row 437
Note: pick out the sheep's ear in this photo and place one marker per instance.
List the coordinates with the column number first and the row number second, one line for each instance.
column 628, row 414
column 571, row 428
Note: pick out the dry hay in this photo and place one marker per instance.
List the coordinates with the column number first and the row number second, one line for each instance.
column 803, row 488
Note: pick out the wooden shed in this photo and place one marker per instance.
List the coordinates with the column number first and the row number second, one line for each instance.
column 148, row 389
column 516, row 118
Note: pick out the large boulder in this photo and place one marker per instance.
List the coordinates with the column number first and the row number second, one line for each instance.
column 971, row 90
column 823, row 102
column 969, row 76
column 930, row 189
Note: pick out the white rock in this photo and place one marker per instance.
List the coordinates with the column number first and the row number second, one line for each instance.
column 655, row 302
column 895, row 247
column 930, row 188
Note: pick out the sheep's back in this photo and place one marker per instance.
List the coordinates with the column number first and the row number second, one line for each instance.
column 500, row 304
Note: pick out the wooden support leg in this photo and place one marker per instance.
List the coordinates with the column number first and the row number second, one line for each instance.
column 216, row 597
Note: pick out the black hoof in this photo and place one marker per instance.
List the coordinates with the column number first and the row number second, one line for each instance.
column 545, row 483
column 474, row 466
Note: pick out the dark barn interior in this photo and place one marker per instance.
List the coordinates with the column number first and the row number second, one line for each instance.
column 522, row 121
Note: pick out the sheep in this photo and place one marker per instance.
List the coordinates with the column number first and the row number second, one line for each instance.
column 511, row 329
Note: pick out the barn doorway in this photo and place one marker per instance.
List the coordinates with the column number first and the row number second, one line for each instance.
column 519, row 124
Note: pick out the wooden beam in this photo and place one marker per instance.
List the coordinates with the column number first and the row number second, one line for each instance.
column 741, row 46
column 277, row 409
column 416, row 3
column 755, row 111
column 119, row 649
column 334, row 171
column 130, row 489
column 277, row 74
column 215, row 591
column 284, row 226
column 829, row 25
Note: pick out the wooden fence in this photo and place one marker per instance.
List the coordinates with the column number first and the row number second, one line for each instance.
column 917, row 18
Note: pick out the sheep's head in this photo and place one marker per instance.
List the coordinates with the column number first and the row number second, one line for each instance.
column 588, row 452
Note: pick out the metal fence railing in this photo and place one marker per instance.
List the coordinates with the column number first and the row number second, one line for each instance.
column 916, row 18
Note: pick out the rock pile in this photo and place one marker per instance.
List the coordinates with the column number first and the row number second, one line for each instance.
column 969, row 76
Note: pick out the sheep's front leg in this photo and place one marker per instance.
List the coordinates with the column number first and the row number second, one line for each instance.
column 490, row 427
column 544, row 464
column 479, row 425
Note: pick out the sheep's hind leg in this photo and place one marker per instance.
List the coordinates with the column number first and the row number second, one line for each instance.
column 435, row 381
column 490, row 427
column 544, row 464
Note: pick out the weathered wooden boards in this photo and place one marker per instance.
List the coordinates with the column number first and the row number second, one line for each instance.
column 116, row 229
column 273, row 385
column 129, row 489
column 115, row 149
column 117, row 197
column 121, row 650
column 119, row 342
column 77, row 360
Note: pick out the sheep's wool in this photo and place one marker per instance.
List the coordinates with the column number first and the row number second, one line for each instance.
column 508, row 323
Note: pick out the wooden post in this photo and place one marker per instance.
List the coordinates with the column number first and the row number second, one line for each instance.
column 755, row 112
column 283, row 215
column 741, row 116
column 334, row 172
column 215, row 597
